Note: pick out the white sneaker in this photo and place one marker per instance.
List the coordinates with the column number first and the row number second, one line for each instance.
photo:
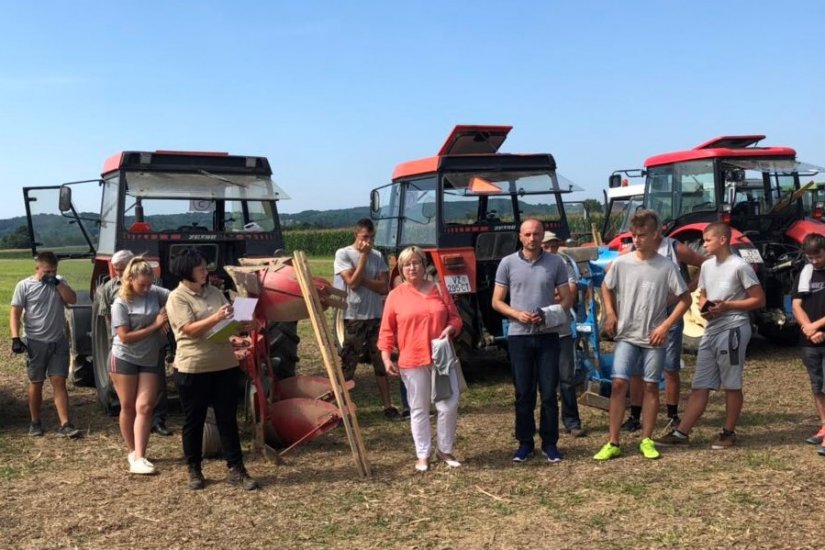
column 131, row 458
column 141, row 466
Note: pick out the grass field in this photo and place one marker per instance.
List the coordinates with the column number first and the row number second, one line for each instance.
column 763, row 494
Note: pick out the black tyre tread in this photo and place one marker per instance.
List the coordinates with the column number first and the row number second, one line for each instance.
column 101, row 348
column 283, row 346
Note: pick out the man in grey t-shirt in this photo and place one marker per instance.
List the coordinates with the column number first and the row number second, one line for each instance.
column 530, row 278
column 364, row 272
column 728, row 290
column 39, row 300
column 635, row 292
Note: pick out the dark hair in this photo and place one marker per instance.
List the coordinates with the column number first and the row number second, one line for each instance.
column 47, row 258
column 813, row 243
column 644, row 218
column 719, row 229
column 365, row 223
column 185, row 263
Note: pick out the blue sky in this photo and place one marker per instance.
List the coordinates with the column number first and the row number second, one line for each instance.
column 336, row 94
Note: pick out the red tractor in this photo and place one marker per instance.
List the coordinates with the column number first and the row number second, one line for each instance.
column 155, row 204
column 464, row 206
column 759, row 191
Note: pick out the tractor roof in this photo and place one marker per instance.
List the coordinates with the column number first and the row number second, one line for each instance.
column 723, row 146
column 463, row 140
column 186, row 161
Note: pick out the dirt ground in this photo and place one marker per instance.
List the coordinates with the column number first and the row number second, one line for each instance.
column 764, row 493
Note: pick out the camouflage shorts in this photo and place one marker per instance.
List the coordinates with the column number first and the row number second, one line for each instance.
column 361, row 343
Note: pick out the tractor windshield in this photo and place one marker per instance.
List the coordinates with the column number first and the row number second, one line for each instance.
column 204, row 185
column 676, row 190
column 487, row 197
column 761, row 185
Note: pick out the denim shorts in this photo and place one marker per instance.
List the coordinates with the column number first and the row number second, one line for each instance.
column 630, row 360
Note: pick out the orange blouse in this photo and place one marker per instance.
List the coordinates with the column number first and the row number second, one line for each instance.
column 412, row 319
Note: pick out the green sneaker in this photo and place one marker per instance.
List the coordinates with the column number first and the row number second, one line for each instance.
column 648, row 448
column 607, row 452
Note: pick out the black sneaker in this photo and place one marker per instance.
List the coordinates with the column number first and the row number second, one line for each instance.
column 239, row 476
column 68, row 430
column 632, row 424
column 161, row 429
column 196, row 479
column 36, row 429
column 391, row 413
column 405, row 414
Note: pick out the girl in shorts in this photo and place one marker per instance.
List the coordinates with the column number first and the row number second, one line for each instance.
column 139, row 325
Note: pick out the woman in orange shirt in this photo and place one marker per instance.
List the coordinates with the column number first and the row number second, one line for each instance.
column 416, row 312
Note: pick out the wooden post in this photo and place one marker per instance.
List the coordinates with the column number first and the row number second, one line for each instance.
column 332, row 363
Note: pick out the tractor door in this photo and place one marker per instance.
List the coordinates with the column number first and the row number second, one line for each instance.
column 62, row 221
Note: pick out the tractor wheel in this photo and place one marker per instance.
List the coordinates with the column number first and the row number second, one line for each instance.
column 467, row 341
column 101, row 347
column 78, row 328
column 694, row 326
column 283, row 346
column 783, row 335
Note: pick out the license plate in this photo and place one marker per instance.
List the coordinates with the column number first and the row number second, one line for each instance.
column 457, row 284
column 750, row 255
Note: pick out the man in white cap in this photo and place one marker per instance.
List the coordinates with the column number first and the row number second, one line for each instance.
column 567, row 365
column 106, row 294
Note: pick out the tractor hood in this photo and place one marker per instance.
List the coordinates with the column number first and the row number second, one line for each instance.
column 474, row 140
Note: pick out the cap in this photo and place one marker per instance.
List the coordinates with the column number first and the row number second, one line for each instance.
column 549, row 236
column 122, row 257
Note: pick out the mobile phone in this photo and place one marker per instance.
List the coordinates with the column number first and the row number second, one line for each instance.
column 707, row 306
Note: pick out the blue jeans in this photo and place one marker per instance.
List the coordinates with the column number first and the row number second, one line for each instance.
column 534, row 360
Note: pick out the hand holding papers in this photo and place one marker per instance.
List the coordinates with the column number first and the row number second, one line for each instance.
column 243, row 311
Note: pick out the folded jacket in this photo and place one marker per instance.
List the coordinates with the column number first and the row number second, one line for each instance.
column 444, row 360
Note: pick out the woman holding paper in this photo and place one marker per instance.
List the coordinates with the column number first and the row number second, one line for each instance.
column 207, row 369
column 138, row 326
column 417, row 313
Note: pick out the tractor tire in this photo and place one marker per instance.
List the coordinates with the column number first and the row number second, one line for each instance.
column 101, row 349
column 283, row 345
column 695, row 324
column 784, row 335
column 78, row 329
column 467, row 341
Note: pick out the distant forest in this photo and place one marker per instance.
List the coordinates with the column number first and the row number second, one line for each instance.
column 58, row 230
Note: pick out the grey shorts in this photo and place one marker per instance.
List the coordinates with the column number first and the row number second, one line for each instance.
column 47, row 359
column 814, row 360
column 720, row 360
column 122, row 366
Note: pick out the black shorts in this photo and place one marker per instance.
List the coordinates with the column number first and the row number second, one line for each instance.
column 814, row 360
column 121, row 366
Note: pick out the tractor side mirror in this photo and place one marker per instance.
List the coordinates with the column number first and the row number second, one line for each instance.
column 375, row 203
column 615, row 180
column 65, row 201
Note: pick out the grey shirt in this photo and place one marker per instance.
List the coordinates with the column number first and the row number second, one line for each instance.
column 362, row 303
column 572, row 279
column 642, row 288
column 530, row 285
column 728, row 280
column 137, row 314
column 43, row 310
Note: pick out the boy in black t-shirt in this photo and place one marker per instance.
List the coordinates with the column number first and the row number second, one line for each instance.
column 809, row 310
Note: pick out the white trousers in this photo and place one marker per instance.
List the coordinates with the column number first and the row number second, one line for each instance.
column 419, row 394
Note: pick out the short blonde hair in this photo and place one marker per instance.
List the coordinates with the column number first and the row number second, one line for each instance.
column 407, row 255
column 136, row 267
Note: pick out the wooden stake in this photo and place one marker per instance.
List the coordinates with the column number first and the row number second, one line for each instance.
column 332, row 363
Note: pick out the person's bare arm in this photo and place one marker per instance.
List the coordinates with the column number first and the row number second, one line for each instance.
column 196, row 329
column 755, row 300
column 658, row 335
column 14, row 321
column 611, row 321
column 66, row 293
column 565, row 297
column 499, row 295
